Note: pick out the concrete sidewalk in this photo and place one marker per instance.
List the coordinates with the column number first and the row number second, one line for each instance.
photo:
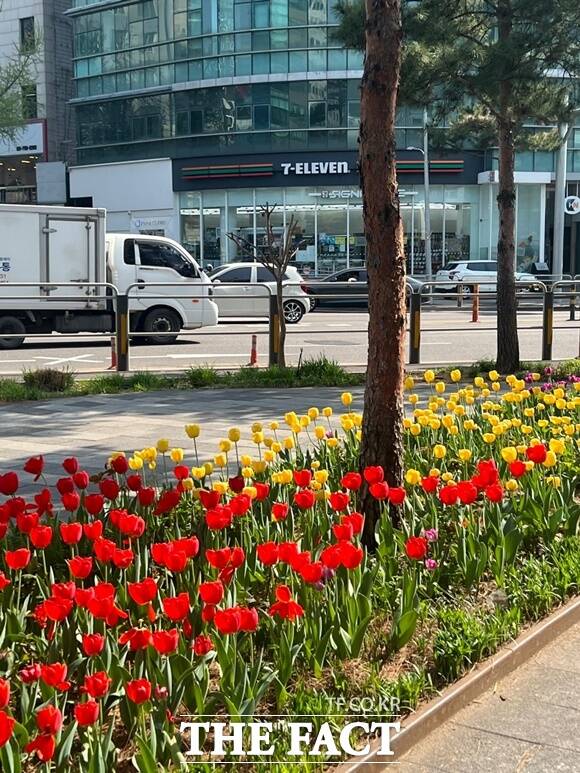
column 92, row 427
column 529, row 722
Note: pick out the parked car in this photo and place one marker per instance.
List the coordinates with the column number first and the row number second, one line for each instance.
column 321, row 291
column 243, row 290
column 471, row 272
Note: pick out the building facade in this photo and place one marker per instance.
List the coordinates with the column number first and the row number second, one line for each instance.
column 49, row 134
column 192, row 114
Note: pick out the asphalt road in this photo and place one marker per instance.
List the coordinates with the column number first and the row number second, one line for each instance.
column 448, row 335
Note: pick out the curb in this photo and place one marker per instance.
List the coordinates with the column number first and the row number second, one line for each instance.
column 457, row 696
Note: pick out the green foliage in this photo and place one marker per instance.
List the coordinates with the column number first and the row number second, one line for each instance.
column 16, row 74
column 49, row 379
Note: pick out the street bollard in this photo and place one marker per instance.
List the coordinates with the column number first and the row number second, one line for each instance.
column 122, row 333
column 113, row 365
column 254, row 351
column 475, row 304
column 573, row 306
column 548, row 325
column 274, row 332
column 415, row 328
column 459, row 296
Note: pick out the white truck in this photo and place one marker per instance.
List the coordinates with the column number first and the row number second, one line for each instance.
column 67, row 254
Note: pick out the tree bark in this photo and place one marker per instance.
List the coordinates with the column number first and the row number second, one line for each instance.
column 282, row 321
column 508, row 350
column 382, row 430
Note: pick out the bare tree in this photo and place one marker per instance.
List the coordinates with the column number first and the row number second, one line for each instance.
column 276, row 253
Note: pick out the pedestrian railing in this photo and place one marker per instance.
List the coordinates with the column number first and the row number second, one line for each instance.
column 536, row 296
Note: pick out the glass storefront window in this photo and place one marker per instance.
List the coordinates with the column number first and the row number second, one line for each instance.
column 190, row 212
column 528, row 225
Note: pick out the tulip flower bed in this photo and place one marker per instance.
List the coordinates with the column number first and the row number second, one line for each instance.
column 168, row 585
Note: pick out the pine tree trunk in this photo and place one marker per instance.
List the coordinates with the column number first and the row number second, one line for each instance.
column 382, row 430
column 508, row 350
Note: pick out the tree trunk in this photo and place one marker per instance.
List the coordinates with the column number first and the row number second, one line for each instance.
column 282, row 326
column 508, row 350
column 382, row 431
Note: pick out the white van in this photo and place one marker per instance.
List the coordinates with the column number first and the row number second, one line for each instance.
column 57, row 246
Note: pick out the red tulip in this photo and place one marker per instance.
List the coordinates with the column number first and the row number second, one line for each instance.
column 54, row 675
column 25, row 522
column 81, row 479
column 267, row 553
column 228, row 621
column 379, row 490
column 134, row 482
column 189, row 545
column 132, row 526
column 9, row 484
column 136, row 638
column 236, row 484
column 122, row 558
column 397, row 495
column 93, row 530
column 374, row 475
column 177, row 607
column 4, row 581
column 70, row 465
column 343, row 531
column 56, row 609
column 304, row 499
column 6, row 728
column 94, row 503
column 71, row 533
column 167, row 501
column 302, row 478
column 41, row 536
column 219, row 518
column 165, row 642
column 211, row 592
column 34, row 466
column 448, row 495
column 248, row 619
column 311, row 573
column 80, row 566
column 262, row 490
column 494, row 492
column 181, row 471
column 109, row 489
column 93, row 644
column 103, row 549
column 146, row 496
column 64, row 590
column 351, row 481
column 239, row 505
column 416, row 548
column 97, row 685
column 17, row 559
column 517, row 468
column 4, row 693
column 280, row 511
column 202, row 645
column 86, row 713
column 466, row 492
column 71, row 501
column 138, row 690
column 210, row 499
column 49, row 720
column 350, row 555
column 429, row 484
column 287, row 551
column 487, row 473
column 143, row 592
column 285, row 606
column 356, row 520
column 537, row 453
column 65, row 486
column 339, row 500
column 43, row 745
column 120, row 464
column 43, row 501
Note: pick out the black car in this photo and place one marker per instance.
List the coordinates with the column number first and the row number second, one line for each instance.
column 353, row 292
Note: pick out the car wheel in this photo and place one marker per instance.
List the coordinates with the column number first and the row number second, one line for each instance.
column 313, row 303
column 15, row 328
column 293, row 312
column 163, row 325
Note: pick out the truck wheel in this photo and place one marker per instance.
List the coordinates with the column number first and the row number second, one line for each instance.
column 11, row 325
column 162, row 322
column 293, row 312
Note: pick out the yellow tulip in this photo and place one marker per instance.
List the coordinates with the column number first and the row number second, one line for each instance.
column 225, row 446
column 269, row 456
column 274, row 425
column 234, row 435
column 289, row 443
column 247, row 472
column 447, row 477
column 488, row 437
column 257, row 426
column 413, row 477
column 440, row 387
column 455, row 375
column 163, row 445
column 258, row 437
column 313, row 413
column 198, row 472
column 220, row 460
column 511, row 484
column 221, row 486
column 493, row 375
column 439, row 451
column 250, row 491
column 321, row 476
column 479, row 382
column 187, row 484
column 554, row 480
column 429, row 376
column 464, row 454
column 245, row 460
column 346, row 398
column 409, row 382
column 327, row 412
column 509, row 454
column 551, row 460
column 416, row 429
column 192, row 430
column 332, row 442
column 135, row 463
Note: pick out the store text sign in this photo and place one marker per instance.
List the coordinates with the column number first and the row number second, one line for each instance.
column 316, row 167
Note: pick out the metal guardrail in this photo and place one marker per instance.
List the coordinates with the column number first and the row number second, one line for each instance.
column 119, row 305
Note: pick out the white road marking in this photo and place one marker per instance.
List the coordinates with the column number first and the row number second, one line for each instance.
column 181, row 356
column 78, row 358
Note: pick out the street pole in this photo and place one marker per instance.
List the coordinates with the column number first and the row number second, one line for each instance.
column 424, row 151
column 559, row 197
column 428, row 259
